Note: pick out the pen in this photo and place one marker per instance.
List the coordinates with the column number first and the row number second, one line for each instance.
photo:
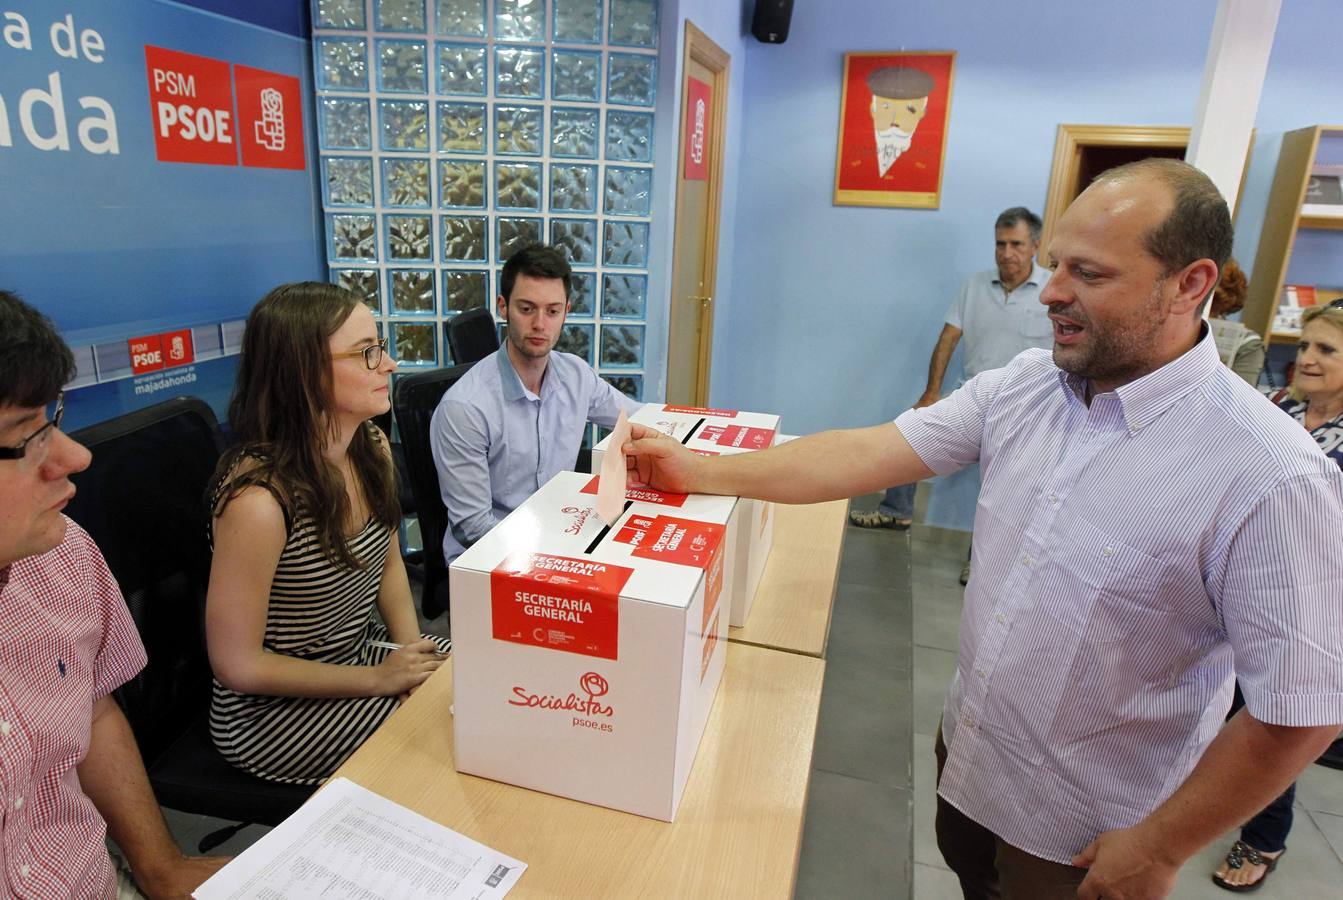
column 392, row 645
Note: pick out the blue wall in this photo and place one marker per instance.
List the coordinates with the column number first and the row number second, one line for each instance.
column 725, row 22
column 832, row 311
column 115, row 245
column 287, row 17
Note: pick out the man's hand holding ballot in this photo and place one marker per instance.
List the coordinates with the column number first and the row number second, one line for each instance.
column 824, row 466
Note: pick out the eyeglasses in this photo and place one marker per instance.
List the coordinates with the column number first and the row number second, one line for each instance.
column 372, row 354
column 40, row 438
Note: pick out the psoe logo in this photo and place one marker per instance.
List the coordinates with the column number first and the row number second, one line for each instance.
column 580, row 518
column 270, row 127
column 697, row 139
column 586, row 707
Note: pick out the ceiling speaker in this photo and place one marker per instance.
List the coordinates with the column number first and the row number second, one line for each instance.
column 770, row 22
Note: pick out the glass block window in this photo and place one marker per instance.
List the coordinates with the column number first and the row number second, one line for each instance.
column 402, row 67
column 454, row 132
column 342, row 64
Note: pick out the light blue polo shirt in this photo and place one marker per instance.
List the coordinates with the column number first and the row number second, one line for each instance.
column 495, row 442
column 996, row 327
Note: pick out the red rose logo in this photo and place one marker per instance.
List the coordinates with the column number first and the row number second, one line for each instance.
column 594, row 684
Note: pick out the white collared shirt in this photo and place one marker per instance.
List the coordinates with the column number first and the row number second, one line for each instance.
column 1131, row 557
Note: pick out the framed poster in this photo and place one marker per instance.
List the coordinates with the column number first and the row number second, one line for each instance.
column 893, row 118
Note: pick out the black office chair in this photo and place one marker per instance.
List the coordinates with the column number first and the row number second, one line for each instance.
column 472, row 335
column 404, row 494
column 143, row 501
column 414, row 400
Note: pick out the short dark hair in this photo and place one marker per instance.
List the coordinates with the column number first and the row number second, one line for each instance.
column 36, row 363
column 1008, row 218
column 535, row 261
column 1199, row 224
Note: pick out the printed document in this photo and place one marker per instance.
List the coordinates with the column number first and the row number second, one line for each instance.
column 347, row 842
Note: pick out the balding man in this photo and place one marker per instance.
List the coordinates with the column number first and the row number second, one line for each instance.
column 1140, row 522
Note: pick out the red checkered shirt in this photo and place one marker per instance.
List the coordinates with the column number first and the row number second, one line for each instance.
column 66, row 641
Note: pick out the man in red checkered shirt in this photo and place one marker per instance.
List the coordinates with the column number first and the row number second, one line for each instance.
column 70, row 772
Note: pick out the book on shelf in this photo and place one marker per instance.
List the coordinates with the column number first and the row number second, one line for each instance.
column 1325, row 188
column 1324, row 193
column 1296, row 296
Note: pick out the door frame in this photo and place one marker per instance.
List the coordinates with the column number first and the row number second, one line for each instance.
column 1067, row 165
column 1073, row 139
column 700, row 48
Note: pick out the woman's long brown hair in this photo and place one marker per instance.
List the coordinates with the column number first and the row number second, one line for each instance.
column 280, row 418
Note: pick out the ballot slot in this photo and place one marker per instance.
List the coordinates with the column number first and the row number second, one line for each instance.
column 607, row 528
column 694, row 429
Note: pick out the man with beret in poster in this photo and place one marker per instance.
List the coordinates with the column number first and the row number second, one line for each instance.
column 1148, row 525
column 899, row 103
column 70, row 771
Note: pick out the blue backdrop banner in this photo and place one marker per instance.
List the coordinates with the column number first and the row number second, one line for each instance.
column 156, row 165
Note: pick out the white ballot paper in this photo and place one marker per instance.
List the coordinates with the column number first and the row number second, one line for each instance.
column 347, row 842
column 611, row 481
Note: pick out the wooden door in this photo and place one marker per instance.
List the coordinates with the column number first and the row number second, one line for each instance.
column 1081, row 152
column 699, row 171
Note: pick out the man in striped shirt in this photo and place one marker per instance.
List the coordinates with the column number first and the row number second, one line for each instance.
column 70, row 771
column 1149, row 529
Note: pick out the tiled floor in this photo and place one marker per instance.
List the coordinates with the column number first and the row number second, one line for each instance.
column 857, row 837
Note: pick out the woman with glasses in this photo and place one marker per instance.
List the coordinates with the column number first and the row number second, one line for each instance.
column 1315, row 399
column 308, row 595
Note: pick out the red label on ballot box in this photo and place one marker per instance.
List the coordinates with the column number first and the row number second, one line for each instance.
column 641, row 492
column 703, row 411
column 682, row 542
column 558, row 603
column 738, row 436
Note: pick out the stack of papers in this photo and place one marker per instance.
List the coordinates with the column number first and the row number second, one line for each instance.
column 347, row 842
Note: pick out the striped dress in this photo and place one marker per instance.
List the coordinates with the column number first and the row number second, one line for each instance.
column 322, row 613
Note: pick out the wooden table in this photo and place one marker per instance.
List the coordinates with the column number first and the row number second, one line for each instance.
column 738, row 829
column 797, row 590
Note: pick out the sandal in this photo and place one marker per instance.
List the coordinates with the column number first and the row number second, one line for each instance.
column 878, row 519
column 1240, row 854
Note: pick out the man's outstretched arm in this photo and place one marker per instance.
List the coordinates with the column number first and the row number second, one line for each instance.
column 825, row 466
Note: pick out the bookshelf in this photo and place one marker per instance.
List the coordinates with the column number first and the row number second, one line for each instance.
column 1282, row 220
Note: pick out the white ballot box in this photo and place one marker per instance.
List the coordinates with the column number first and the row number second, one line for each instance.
column 585, row 658
column 712, row 432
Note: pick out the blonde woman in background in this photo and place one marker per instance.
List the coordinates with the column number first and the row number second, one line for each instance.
column 1315, row 399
